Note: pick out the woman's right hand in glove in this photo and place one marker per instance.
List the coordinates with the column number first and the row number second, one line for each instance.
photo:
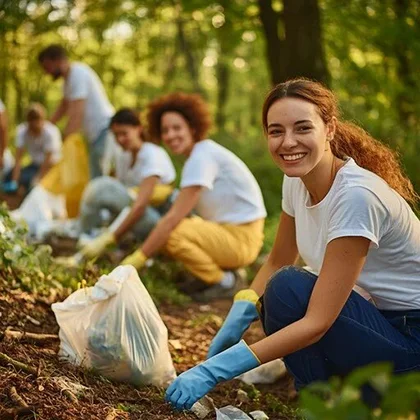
column 242, row 313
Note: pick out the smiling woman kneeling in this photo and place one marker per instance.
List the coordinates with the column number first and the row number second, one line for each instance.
column 227, row 232
column 346, row 213
column 143, row 184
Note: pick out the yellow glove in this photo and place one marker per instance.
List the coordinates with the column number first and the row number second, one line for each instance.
column 247, row 294
column 251, row 296
column 136, row 259
column 97, row 246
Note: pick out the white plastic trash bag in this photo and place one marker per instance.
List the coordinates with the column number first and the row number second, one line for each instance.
column 40, row 206
column 115, row 328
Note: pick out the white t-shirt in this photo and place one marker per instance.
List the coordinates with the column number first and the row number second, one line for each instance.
column 49, row 140
column 231, row 193
column 83, row 83
column 151, row 160
column 361, row 203
column 2, row 107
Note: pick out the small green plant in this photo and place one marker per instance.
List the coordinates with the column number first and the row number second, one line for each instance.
column 399, row 396
column 279, row 407
column 27, row 266
column 159, row 280
column 33, row 269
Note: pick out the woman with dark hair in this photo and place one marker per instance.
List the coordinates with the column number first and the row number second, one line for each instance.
column 227, row 231
column 346, row 213
column 144, row 184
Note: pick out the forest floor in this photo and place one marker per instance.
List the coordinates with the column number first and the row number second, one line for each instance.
column 40, row 388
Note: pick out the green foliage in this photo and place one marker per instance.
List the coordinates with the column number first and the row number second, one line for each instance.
column 278, row 406
column 159, row 280
column 29, row 267
column 32, row 268
column 342, row 399
column 142, row 49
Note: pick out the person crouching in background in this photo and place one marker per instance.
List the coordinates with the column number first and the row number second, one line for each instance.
column 42, row 141
column 144, row 184
column 227, row 231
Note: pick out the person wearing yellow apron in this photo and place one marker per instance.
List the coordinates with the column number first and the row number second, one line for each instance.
column 227, row 231
column 144, row 183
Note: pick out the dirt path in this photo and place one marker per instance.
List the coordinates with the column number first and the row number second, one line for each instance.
column 190, row 327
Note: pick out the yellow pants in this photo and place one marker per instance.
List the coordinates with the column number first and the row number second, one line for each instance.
column 207, row 248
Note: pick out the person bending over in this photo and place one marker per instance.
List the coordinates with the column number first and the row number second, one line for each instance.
column 84, row 102
column 227, row 231
column 144, row 182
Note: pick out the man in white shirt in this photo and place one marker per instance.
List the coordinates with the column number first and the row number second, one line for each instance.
column 84, row 102
column 42, row 141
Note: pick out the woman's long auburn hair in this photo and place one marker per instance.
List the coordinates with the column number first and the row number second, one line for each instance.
column 349, row 139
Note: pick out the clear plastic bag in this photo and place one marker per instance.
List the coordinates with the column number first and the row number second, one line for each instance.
column 115, row 328
column 8, row 163
column 39, row 206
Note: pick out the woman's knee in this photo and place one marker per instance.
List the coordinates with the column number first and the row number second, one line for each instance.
column 286, row 297
column 177, row 237
column 96, row 188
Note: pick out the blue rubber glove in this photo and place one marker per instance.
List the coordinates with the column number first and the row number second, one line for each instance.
column 241, row 315
column 193, row 384
column 10, row 187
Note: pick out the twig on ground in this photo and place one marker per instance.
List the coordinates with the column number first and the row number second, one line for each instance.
column 40, row 367
column 19, row 335
column 18, row 365
column 16, row 398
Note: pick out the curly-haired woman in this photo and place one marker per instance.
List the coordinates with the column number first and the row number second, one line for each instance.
column 227, row 232
column 346, row 213
column 143, row 185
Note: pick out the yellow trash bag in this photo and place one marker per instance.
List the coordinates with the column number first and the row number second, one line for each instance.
column 71, row 175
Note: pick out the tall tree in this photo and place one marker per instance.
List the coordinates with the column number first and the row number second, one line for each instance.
column 299, row 51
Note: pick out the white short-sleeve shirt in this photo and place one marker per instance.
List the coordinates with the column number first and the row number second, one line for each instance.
column 2, row 107
column 361, row 203
column 83, row 83
column 231, row 193
column 151, row 160
column 49, row 140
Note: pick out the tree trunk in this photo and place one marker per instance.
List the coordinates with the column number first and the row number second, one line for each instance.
column 304, row 40
column 4, row 61
column 275, row 47
column 301, row 52
column 223, row 77
column 189, row 57
column 14, row 67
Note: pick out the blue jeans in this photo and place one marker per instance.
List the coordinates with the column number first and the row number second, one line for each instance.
column 27, row 174
column 96, row 153
column 362, row 334
column 109, row 193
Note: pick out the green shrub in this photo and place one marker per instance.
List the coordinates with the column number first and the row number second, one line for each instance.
column 341, row 399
